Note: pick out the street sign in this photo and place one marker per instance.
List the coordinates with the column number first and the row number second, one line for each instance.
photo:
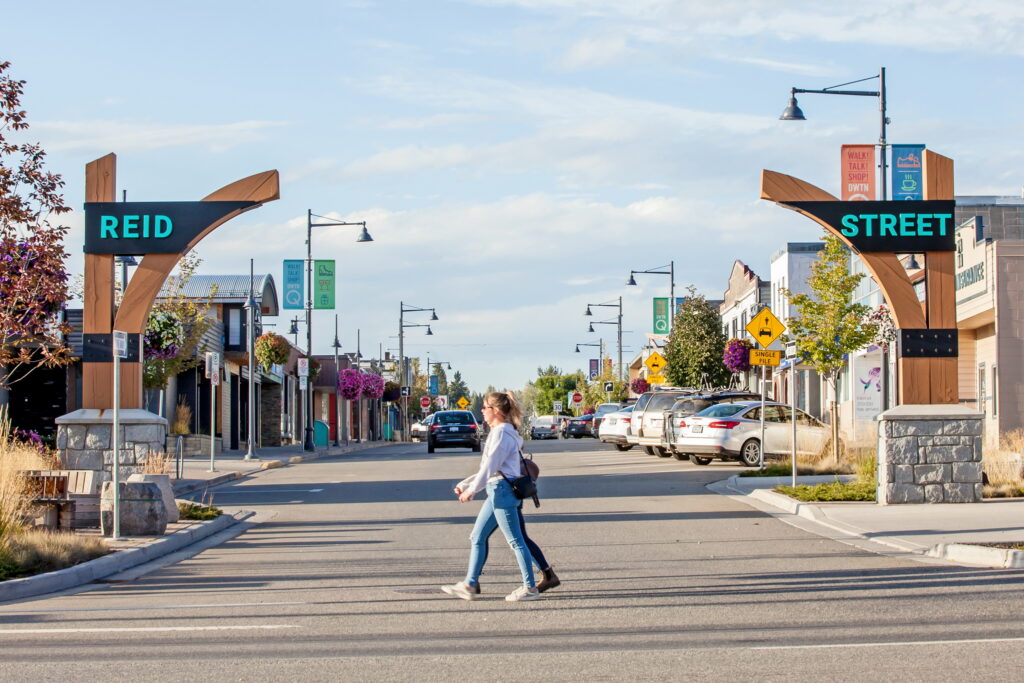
column 609, row 387
column 442, row 402
column 323, row 284
column 120, row 344
column 764, row 357
column 462, row 402
column 556, row 406
column 577, row 397
column 655, row 379
column 303, row 382
column 425, row 402
column 212, row 363
column 303, row 367
column 765, row 327
column 655, row 363
column 406, row 391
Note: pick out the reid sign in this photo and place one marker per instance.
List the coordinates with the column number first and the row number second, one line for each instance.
column 132, row 228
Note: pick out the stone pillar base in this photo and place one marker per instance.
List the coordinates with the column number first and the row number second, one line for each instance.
column 929, row 454
column 84, row 440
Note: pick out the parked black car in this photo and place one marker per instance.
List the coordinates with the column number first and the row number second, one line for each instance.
column 453, row 429
column 580, row 427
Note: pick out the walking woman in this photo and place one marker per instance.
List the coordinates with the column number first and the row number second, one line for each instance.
column 500, row 457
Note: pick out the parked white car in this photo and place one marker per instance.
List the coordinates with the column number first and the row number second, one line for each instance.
column 613, row 428
column 418, row 430
column 732, row 431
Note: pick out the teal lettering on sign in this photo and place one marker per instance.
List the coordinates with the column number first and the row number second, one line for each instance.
column 131, row 227
column 893, row 225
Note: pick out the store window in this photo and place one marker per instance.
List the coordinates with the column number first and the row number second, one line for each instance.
column 995, row 392
column 982, row 396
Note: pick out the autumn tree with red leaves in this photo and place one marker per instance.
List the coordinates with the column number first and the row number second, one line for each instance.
column 33, row 282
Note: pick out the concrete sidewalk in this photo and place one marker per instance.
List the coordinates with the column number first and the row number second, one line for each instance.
column 231, row 465
column 945, row 531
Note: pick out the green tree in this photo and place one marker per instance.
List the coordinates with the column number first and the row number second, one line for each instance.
column 550, row 386
column 829, row 325
column 695, row 347
column 457, row 389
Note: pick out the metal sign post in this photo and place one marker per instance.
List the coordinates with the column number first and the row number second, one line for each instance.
column 765, row 328
column 213, row 373
column 791, row 353
column 120, row 351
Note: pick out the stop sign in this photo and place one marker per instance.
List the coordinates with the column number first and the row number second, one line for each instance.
column 425, row 402
column 577, row 397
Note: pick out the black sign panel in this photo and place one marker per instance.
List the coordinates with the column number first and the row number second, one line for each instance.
column 130, row 228
column 898, row 227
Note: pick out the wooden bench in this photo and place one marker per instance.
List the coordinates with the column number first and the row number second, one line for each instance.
column 82, row 488
column 48, row 489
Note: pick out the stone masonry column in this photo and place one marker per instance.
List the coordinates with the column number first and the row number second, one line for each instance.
column 929, row 454
column 84, row 440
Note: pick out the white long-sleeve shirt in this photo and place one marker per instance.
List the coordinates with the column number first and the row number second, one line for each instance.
column 500, row 456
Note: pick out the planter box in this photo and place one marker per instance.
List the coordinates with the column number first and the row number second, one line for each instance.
column 193, row 444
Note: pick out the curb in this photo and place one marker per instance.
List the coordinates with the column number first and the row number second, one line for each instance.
column 101, row 567
column 960, row 553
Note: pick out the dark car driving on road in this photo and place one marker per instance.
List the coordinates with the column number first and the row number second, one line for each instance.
column 580, row 427
column 453, row 429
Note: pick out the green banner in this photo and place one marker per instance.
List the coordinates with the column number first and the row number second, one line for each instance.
column 661, row 315
column 323, row 284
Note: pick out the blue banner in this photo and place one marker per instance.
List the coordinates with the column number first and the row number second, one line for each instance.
column 906, row 172
column 292, row 288
column 433, row 385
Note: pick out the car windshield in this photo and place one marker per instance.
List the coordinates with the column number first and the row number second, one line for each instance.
column 689, row 406
column 721, row 410
column 455, row 419
column 641, row 402
column 662, row 401
column 606, row 408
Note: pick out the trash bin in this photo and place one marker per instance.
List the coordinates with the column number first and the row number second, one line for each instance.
column 321, row 433
column 387, row 432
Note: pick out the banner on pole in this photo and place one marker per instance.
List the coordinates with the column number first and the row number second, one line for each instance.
column 661, row 321
column 323, row 284
column 857, row 172
column 906, row 172
column 594, row 371
column 292, row 289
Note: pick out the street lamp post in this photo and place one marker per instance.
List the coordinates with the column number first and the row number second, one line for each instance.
column 250, row 306
column 600, row 351
column 671, row 272
column 337, row 394
column 364, row 236
column 794, row 113
column 617, row 322
column 436, row 362
column 403, row 371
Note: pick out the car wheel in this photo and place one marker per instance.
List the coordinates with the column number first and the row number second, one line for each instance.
column 430, row 446
column 661, row 452
column 681, row 456
column 623, row 446
column 648, row 450
column 750, row 453
column 700, row 460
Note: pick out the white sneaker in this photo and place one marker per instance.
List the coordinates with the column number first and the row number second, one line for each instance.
column 523, row 593
column 462, row 590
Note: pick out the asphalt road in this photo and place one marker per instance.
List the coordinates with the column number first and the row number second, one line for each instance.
column 662, row 580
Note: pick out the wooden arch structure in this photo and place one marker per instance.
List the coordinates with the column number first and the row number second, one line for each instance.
column 922, row 380
column 100, row 318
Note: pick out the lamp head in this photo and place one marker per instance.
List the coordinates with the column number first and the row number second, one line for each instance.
column 337, row 343
column 127, row 260
column 433, row 314
column 793, row 111
column 429, row 332
column 294, row 329
column 364, row 236
column 632, row 280
column 912, row 264
column 591, row 326
column 588, row 310
column 577, row 348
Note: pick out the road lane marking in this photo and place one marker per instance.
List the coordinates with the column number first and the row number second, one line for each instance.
column 251, row 490
column 823, row 646
column 154, row 607
column 147, row 629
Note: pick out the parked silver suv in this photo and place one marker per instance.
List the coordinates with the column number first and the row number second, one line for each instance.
column 649, row 423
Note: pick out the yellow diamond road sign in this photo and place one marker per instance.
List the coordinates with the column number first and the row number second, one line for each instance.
column 655, row 363
column 765, row 327
column 462, row 403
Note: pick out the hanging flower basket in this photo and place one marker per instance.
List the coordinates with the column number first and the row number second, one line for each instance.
column 373, row 385
column 163, row 337
column 639, row 386
column 272, row 349
column 392, row 392
column 350, row 384
column 737, row 355
column 885, row 328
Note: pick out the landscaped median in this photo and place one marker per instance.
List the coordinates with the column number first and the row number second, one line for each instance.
column 119, row 560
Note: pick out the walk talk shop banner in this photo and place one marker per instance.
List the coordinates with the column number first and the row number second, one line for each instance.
column 857, row 172
column 906, row 172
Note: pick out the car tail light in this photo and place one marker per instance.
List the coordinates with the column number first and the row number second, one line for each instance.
column 433, row 427
column 625, row 419
column 682, row 423
column 471, row 426
column 723, row 424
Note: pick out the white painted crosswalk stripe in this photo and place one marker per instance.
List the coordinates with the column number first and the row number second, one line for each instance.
column 146, row 629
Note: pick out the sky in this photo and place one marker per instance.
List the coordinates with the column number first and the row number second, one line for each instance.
column 513, row 159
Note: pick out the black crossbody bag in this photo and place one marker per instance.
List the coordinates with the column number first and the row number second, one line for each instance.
column 525, row 485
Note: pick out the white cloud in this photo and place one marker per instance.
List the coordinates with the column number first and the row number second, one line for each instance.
column 437, row 120
column 127, row 136
column 596, row 51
